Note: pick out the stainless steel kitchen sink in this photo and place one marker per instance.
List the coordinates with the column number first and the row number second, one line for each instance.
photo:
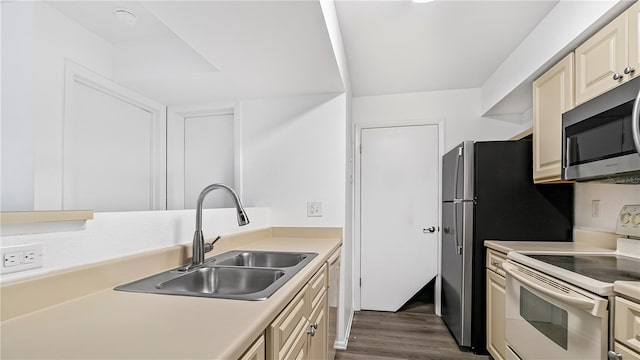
column 243, row 275
column 264, row 259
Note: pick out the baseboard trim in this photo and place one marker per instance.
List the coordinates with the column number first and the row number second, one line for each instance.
column 342, row 344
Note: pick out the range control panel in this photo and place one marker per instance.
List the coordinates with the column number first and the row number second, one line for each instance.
column 629, row 221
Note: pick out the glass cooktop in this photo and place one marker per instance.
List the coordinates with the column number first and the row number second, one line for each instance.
column 605, row 268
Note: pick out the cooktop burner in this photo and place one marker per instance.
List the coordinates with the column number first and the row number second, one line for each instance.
column 605, row 268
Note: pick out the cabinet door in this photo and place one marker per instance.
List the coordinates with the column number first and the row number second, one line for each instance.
column 318, row 340
column 633, row 17
column 255, row 351
column 496, row 344
column 552, row 95
column 283, row 335
column 627, row 323
column 599, row 58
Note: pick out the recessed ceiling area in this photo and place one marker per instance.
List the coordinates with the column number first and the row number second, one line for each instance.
column 190, row 52
column 399, row 46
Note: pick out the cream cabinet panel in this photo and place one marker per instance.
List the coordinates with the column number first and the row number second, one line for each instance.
column 299, row 350
column 633, row 17
column 626, row 353
column 285, row 330
column 318, row 338
column 599, row 58
column 552, row 95
column 627, row 323
column 255, row 351
column 496, row 344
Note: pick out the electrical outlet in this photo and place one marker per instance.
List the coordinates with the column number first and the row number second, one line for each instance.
column 12, row 259
column 595, row 208
column 20, row 258
column 314, row 209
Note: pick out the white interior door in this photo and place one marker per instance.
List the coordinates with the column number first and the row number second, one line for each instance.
column 399, row 172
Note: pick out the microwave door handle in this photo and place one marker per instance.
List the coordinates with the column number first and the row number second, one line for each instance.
column 593, row 306
column 635, row 123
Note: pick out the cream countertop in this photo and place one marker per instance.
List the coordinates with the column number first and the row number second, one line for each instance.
column 530, row 246
column 115, row 324
column 630, row 289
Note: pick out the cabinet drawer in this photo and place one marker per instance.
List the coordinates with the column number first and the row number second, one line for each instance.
column 627, row 323
column 495, row 260
column 318, row 286
column 626, row 353
column 284, row 331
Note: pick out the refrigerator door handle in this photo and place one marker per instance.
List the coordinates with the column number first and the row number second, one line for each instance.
column 455, row 174
column 456, row 233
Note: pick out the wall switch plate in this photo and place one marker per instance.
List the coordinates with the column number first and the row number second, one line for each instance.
column 595, row 208
column 20, row 258
column 314, row 209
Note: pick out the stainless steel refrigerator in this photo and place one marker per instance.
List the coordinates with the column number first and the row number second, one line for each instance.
column 488, row 194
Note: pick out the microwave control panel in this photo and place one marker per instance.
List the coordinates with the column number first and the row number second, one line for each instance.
column 629, row 221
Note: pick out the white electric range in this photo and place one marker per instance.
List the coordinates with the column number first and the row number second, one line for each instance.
column 557, row 303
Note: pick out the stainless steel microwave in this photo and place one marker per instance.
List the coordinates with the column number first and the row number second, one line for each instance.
column 601, row 137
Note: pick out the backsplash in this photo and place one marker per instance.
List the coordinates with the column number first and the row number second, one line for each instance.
column 113, row 235
column 610, row 197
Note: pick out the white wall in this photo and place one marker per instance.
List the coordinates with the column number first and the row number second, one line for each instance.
column 460, row 110
column 32, row 84
column 612, row 198
column 118, row 234
column 293, row 153
column 18, row 114
column 347, row 280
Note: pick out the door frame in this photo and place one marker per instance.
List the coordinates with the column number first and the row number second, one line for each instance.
column 440, row 123
column 176, row 116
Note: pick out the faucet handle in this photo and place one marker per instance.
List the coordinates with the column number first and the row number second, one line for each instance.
column 209, row 246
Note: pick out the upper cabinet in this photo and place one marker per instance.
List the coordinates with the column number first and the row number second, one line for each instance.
column 609, row 58
column 552, row 95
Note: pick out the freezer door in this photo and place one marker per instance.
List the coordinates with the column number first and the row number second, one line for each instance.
column 457, row 173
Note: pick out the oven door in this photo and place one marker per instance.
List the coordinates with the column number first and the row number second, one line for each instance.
column 549, row 319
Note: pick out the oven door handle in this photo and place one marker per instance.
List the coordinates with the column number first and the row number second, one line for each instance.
column 593, row 306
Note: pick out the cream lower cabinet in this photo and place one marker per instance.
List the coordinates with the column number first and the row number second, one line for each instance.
column 496, row 344
column 300, row 331
column 552, row 95
column 627, row 328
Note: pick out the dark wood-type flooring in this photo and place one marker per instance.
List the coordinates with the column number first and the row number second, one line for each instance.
column 414, row 332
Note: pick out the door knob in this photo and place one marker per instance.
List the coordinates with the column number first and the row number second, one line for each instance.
column 430, row 230
column 617, row 76
column 629, row 70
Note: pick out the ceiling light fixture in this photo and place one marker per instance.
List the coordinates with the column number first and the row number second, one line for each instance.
column 125, row 16
column 422, row 1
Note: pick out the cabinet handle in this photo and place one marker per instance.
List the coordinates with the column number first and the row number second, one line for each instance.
column 617, row 76
column 496, row 263
column 312, row 332
column 612, row 355
column 629, row 70
column 314, row 325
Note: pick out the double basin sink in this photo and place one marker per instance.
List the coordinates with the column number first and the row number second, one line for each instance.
column 242, row 275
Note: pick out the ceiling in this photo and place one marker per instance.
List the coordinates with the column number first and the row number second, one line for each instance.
column 400, row 46
column 253, row 49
